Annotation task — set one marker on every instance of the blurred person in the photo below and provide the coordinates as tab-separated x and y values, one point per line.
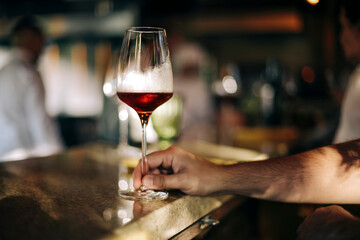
198	111
25	127
349	127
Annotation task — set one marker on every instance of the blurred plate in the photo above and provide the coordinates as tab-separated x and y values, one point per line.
221	154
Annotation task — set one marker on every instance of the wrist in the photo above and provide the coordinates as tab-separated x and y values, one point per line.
226	180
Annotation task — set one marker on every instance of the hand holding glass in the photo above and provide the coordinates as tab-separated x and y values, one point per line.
145	81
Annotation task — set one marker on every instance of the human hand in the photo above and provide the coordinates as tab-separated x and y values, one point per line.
174	168
332	222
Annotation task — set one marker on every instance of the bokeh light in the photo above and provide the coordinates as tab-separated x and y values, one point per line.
313	2
307	74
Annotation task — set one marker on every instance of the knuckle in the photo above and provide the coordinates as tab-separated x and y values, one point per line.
160	181
172	149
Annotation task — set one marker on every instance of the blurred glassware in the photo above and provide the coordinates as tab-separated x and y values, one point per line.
166	120
123	148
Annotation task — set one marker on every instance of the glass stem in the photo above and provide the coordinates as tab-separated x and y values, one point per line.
144	163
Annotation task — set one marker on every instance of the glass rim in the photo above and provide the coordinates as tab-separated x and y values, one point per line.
145	29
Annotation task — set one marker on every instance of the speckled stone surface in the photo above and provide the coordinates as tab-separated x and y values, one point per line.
74	195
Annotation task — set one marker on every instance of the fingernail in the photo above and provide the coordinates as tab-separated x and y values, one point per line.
148	181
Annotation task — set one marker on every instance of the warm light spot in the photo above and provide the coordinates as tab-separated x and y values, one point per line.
258	21
313	2
267	91
108	89
229	84
107	214
122	213
307	74
126	220
123	185
57	26
123	115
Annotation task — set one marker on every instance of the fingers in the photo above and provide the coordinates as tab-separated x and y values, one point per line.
175	168
159	162
137	177
161	158
160	181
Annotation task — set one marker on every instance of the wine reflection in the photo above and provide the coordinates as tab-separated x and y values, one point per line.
124	211
121	214
126	168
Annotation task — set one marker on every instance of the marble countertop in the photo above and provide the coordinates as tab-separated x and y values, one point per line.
74	195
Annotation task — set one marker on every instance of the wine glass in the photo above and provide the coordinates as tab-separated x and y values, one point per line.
144	82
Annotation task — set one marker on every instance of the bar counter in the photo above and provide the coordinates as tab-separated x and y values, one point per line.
74	195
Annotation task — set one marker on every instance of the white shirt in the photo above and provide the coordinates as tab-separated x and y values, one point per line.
349	128
197	108
25	127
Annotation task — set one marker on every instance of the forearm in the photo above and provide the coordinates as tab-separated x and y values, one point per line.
325	175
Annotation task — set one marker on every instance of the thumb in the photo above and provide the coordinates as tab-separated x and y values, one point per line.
160	181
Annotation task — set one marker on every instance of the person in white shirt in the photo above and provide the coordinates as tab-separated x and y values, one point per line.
25	127
349	127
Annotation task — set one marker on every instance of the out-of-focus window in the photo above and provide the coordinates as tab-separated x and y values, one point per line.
72	87
4	54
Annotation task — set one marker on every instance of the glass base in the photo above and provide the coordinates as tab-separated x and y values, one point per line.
143	195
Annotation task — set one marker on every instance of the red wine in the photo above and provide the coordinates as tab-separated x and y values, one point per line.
144	103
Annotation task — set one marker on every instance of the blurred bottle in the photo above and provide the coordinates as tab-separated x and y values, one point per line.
270	93
115	119
227	90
